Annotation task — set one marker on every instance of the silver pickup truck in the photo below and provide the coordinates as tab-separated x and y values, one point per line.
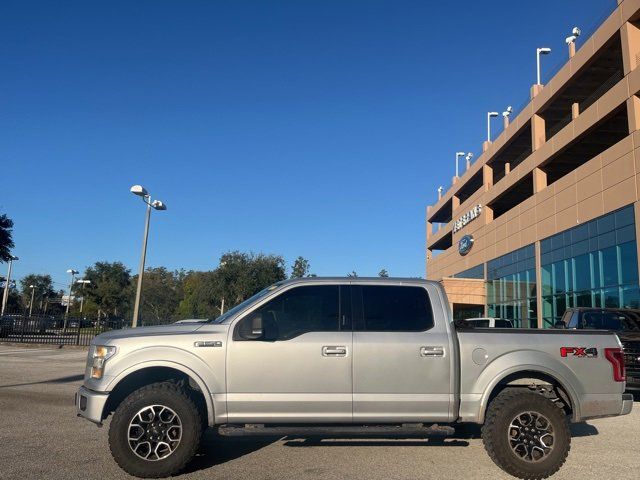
346	356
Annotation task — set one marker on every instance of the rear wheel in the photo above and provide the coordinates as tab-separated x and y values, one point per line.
526	434
155	431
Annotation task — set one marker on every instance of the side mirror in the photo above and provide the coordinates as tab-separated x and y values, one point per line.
252	328
560	324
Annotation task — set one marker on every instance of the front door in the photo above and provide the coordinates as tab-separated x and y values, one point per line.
299	369
401	358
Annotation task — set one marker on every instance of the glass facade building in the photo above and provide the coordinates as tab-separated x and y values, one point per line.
476	272
592	265
511	287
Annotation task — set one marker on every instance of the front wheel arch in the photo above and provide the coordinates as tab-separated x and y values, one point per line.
142	375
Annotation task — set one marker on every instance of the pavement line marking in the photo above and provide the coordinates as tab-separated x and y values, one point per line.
28	350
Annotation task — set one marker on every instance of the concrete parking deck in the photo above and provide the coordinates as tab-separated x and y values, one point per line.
41	437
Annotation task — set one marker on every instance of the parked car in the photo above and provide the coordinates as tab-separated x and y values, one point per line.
348	355
489	322
626	324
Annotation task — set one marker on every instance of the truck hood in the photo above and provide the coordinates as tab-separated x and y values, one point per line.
180	329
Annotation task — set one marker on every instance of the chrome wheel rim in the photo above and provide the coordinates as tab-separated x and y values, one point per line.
531	436
154	432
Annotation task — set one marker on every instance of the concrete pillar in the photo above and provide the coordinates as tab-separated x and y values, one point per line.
455	203
538	284
575	110
487	176
505	121
485	145
507	168
538	132
488	213
535	90
630	38
539	180
572	49
633	113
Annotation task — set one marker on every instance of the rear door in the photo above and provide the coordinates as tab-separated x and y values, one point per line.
401	357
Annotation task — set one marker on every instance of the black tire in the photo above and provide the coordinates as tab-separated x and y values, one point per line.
179	403
511	447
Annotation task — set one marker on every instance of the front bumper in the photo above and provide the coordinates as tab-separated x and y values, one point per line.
90	404
627	403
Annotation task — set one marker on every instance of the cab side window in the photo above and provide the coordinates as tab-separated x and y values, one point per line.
297	311
395	309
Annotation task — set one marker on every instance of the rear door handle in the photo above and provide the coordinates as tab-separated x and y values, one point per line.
334	351
432	351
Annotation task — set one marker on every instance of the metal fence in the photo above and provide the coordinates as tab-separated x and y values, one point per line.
51	329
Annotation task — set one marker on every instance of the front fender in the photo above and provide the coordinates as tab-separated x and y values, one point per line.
196	368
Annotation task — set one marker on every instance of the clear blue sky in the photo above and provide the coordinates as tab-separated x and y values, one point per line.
314	128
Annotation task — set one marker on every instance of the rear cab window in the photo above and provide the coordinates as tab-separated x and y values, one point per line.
381	308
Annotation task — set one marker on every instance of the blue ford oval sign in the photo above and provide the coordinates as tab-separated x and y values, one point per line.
465	244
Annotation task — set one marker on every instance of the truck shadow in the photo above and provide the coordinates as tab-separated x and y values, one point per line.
217	449
69	379
468	431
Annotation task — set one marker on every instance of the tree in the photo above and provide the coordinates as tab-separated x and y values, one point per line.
201	296
110	287
300	268
161	294
6	239
43	288
241	275
383	273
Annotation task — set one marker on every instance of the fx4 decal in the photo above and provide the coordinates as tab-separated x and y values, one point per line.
582	352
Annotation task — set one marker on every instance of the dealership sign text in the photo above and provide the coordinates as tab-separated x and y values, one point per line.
467	217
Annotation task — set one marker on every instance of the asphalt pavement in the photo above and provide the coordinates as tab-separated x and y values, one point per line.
41	437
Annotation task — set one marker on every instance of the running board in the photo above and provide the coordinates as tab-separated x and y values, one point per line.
408	430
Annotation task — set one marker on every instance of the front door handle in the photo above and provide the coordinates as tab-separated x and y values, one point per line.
432	351
334	351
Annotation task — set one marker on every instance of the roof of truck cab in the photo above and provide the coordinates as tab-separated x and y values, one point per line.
346	280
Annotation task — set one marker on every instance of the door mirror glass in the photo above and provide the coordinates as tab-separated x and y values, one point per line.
251	328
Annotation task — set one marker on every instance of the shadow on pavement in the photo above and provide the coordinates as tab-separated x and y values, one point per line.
216	449
374	442
69	379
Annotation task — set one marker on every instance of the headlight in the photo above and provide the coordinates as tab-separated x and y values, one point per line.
98	355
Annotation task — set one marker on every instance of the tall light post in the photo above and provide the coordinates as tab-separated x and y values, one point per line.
5	295
458	155
82	282
490	115
540	51
73	274
468	159
140	191
33	291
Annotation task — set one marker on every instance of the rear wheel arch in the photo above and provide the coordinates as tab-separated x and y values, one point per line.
542	382
143	375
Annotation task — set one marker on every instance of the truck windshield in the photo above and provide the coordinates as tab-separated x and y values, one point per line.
240	306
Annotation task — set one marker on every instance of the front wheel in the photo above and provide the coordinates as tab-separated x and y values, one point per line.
155	431
526	434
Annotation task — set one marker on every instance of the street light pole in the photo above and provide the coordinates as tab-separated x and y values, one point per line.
33	291
156	205
458	155
490	115
66	315
83	282
5	295
540	51
143	257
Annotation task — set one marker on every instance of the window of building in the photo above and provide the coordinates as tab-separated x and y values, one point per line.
476	272
396	309
592	265
511	287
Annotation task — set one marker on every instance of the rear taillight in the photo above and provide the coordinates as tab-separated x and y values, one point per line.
616	358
